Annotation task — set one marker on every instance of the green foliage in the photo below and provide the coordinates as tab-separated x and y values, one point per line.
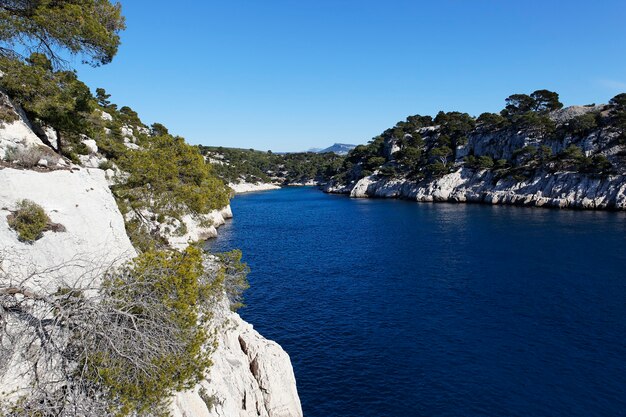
375	161
538	122
103	97
7	114
491	121
540	101
417	157
105	165
387	170
234	277
29	220
129	116
410	156
583	125
257	166
157	129
169	176
598	165
481	162
530	158
456	126
439	161
500	164
87	27
433	153
164	290
618	115
57	99
525	154
518	104
545	152
618	103
545	101
572	152
437	169
531	111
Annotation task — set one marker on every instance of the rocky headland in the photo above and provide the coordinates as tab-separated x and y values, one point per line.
571	157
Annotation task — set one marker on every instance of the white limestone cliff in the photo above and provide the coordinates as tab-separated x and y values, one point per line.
251	375
562	190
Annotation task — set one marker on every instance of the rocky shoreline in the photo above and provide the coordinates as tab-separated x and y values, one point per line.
249	187
559	190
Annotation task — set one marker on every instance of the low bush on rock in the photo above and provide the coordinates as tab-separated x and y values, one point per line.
122	349
30	157
29	220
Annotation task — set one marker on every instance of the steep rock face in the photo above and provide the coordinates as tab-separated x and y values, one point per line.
94	239
80	201
250	377
563	190
16	133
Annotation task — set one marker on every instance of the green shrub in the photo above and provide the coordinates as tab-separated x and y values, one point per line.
583	125
29	220
481	162
81	149
491	121
572	152
7	114
233	275
526	152
105	165
387	171
163	298
170	177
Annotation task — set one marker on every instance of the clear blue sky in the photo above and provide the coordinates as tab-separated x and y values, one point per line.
291	75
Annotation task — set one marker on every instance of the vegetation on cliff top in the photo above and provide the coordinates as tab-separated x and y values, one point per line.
126	346
426	148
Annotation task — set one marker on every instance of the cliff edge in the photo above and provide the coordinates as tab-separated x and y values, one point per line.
250	374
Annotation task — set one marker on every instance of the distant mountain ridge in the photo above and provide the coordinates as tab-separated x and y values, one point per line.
338	148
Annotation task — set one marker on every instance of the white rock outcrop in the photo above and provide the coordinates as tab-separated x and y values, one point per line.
15	135
80	201
198	228
550	185
248	187
92	239
250	377
562	190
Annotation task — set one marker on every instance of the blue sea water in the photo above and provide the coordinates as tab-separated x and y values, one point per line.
394	308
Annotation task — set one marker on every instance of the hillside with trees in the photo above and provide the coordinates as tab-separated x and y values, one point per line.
248	165
532	141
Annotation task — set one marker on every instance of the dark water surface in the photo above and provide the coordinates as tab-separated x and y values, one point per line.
393	308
